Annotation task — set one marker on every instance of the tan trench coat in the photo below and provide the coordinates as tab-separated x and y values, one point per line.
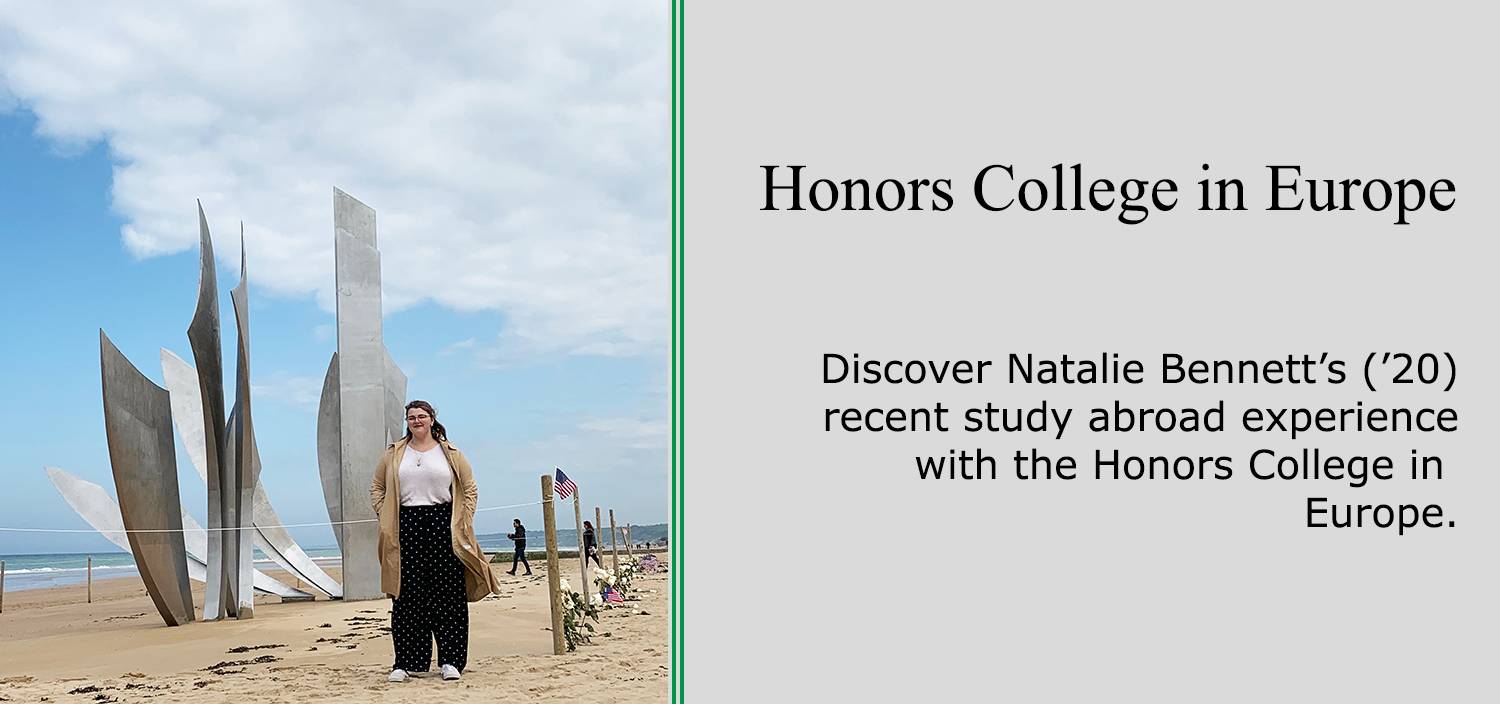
385	496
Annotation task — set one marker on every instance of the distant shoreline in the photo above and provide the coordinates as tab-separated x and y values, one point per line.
19	579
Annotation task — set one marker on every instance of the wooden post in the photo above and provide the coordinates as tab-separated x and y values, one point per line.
614	545
554	573
629	549
586	589
598	528
91	578
2	586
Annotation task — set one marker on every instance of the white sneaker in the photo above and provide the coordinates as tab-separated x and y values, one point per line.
450	672
397	675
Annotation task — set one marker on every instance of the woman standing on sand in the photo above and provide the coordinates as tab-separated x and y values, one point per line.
430	561
591	548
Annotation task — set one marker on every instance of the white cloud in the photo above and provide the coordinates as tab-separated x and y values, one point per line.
288	389
516	153
632	433
459	346
629	447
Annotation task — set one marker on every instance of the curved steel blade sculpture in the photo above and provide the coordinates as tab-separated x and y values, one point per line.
95	506
270	538
203	338
138	427
330	472
245	458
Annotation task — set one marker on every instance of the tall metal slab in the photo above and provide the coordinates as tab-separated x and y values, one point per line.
330	469
246	457
362	395
138	427
203	338
270	538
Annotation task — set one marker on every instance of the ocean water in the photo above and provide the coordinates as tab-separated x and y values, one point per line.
40	571
24	572
50	570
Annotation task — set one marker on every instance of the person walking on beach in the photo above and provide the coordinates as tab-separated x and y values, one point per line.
430	561
590	548
520	537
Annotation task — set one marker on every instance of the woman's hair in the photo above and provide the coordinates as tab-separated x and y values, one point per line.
588	526
438	431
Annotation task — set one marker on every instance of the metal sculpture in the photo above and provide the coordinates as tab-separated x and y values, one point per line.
245	458
330	473
270	538
197	542
362	412
138	428
95	506
395	398
203	338
362	407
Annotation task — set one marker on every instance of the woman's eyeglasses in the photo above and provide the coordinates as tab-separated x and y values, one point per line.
413	419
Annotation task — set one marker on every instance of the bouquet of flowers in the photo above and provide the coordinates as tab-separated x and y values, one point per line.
578	610
615	581
626	574
606	583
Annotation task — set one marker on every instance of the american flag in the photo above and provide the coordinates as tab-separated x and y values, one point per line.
565	486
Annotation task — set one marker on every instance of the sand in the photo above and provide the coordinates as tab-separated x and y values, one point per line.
53	644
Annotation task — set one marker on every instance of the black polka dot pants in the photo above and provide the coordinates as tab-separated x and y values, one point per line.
432	605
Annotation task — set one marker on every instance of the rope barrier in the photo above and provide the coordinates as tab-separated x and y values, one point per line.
281	525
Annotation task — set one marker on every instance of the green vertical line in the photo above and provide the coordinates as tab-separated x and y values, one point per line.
676	541
682	313
681	90
677	362
682	296
680	38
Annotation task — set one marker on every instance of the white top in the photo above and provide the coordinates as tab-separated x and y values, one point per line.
426	478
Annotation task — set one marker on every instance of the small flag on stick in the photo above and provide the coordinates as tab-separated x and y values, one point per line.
565	486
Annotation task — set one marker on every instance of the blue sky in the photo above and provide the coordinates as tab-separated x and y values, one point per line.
533	317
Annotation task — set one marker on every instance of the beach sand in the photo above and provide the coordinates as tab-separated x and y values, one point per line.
53	644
